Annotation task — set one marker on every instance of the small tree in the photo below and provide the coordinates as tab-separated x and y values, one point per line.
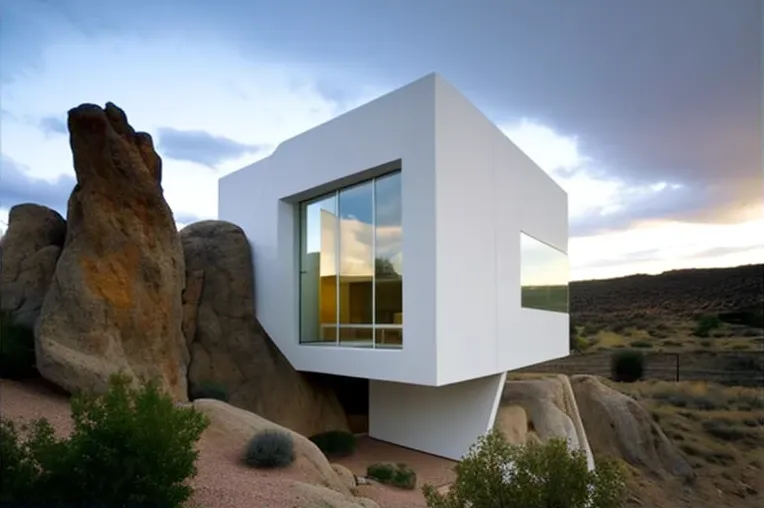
627	366
129	447
495	474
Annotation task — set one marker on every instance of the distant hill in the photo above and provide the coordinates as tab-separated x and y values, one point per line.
677	292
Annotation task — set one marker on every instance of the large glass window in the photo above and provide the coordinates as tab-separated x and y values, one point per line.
543	276
351	266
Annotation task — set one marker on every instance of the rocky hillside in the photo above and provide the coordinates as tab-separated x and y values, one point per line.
678	292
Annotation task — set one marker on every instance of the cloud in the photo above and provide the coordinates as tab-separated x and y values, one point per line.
18	186
598	201
658	246
226	128
675	97
184	219
202	147
646	127
725	251
53	125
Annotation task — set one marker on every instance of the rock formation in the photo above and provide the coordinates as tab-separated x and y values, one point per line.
29	251
618	426
227	345
541	409
239	426
115	300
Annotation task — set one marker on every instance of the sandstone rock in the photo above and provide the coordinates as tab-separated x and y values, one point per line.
29	250
513	422
115	300
227	345
551	411
345	475
311	496
619	427
241	425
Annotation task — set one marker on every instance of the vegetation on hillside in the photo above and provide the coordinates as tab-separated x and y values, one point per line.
720	429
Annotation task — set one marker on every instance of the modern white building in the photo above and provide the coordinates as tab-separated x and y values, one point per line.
411	243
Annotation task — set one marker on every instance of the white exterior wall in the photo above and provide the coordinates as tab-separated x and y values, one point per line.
487	192
261	199
467	193
441	420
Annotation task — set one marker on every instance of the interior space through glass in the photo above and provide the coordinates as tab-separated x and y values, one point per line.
351	266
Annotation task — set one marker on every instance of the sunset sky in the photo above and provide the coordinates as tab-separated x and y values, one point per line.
647	112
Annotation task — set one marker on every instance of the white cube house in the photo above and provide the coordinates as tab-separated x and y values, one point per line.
411	243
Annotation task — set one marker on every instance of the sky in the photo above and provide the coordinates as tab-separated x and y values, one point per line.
647	112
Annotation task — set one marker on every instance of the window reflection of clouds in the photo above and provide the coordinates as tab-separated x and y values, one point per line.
357	232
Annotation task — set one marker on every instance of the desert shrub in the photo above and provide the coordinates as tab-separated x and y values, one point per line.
19	467
703	402
627	366
747	318
399	475
17	357
706	324
712	456
129	447
208	390
495	473
643	344
270	448
335	443
727	430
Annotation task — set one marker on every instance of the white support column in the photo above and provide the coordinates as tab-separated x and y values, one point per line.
444	420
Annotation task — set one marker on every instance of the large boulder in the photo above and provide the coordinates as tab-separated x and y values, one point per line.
238	426
618	426
115	301
29	250
312	496
228	347
549	409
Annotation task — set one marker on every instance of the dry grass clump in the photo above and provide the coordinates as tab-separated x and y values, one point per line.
698	395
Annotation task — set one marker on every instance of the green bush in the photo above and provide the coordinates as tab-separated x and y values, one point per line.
129	447
495	473
399	475
17	357
19	467
208	390
270	448
706	324
627	366
642	344
335	443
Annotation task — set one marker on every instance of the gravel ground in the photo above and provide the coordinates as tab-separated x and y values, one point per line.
432	470
223	481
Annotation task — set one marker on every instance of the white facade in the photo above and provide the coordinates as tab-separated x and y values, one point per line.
467	196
